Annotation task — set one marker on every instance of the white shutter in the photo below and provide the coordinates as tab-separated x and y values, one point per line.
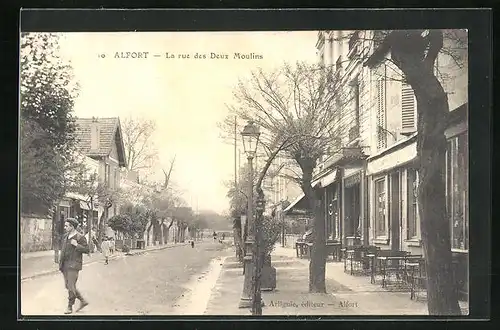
408	106
381	120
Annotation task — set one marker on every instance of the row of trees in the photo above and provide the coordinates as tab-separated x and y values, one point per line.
300	104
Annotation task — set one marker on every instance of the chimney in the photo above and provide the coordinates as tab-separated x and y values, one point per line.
94	134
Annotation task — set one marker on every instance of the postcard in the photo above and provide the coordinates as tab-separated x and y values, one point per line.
210	173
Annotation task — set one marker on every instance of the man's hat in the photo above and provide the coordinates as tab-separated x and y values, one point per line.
73	222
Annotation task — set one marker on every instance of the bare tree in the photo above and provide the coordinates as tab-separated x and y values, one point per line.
295	103
139	148
168	173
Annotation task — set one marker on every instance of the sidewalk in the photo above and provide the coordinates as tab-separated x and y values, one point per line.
41	263
347	295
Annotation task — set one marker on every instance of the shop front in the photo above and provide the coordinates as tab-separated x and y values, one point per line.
390	200
457	196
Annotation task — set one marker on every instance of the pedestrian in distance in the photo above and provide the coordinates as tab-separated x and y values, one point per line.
215	236
223	236
74	245
105	248
112	245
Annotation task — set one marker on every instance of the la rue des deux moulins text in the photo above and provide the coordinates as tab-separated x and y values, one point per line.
201	56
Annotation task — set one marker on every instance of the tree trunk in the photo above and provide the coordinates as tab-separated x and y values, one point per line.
238	244
317	266
162	238
257	259
435	226
147	233
416	59
166	233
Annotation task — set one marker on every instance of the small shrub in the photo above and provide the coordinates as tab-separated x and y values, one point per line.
270	233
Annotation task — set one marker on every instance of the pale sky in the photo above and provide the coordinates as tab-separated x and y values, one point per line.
185	97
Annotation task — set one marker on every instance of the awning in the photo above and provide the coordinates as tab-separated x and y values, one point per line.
295	202
75	196
329	179
84	206
351	171
314	184
392	159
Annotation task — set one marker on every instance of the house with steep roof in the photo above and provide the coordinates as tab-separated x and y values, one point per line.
100	141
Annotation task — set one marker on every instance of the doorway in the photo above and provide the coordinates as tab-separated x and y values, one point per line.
352	211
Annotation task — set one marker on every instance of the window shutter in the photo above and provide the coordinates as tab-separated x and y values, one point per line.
381	133
408	106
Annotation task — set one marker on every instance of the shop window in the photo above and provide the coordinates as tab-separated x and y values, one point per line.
380	208
412	215
457	191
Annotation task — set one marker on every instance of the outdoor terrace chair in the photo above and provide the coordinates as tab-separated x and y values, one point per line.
417	276
411	263
354	255
391	264
301	248
343	251
334	249
361	262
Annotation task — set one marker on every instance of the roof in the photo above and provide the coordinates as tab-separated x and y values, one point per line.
109	132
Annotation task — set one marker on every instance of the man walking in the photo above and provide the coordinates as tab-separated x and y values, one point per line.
74	245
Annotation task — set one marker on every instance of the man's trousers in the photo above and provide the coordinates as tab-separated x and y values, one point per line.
70	278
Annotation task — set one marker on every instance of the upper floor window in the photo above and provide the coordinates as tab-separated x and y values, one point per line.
381	115
354	130
408	108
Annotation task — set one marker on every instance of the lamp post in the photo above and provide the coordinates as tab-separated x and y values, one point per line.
250	136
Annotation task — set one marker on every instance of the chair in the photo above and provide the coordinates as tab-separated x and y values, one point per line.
391	263
412	260
419	283
363	260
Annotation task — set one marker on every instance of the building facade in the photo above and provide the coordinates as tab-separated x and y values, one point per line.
369	178
100	144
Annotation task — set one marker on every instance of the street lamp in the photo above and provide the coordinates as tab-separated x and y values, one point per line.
250	134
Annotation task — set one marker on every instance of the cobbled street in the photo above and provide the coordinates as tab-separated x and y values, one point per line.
146	284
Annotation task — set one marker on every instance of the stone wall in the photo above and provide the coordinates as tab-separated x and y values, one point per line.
36	233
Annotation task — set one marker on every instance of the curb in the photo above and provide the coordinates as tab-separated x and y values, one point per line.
133	253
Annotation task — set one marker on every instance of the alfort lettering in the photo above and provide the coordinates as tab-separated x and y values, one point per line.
131	54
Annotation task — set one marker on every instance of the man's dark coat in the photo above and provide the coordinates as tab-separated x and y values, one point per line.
71	256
